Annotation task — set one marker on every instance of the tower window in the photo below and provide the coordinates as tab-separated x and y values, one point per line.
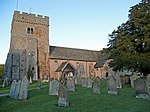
30	30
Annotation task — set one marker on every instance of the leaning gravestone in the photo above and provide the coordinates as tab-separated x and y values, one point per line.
53	87
18	84
70	84
112	87
118	81
84	82
96	85
132	79
12	89
141	88
62	94
89	82
23	94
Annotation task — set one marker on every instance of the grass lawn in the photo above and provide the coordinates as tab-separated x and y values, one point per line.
6	89
82	100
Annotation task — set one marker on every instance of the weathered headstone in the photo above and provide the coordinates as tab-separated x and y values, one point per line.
89	82
15	65
70	84
132	79
118	81
78	80
112	87
23	56
141	88
96	85
38	84
17	91
23	94
12	89
84	82
4	83
53	87
148	80
62	94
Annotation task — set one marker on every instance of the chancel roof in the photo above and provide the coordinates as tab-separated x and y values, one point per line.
73	54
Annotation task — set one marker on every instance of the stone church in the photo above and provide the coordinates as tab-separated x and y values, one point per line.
30	53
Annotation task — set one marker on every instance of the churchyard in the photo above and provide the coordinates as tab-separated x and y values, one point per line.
81	100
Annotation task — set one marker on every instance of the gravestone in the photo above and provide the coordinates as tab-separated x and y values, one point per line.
4	83
70	84
84	82
62	94
112	87
148	80
78	80
38	84
18	85
141	88
132	79
15	66
8	66
23	63
53	87
89	82
118	81
23	94
12	89
96	85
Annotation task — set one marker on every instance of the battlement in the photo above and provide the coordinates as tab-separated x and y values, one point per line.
29	17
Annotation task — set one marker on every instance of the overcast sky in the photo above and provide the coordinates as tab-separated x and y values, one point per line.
81	24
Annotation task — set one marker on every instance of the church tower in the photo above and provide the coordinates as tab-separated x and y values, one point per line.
30	44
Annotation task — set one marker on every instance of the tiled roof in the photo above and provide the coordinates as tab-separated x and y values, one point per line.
64	65
103	57
73	54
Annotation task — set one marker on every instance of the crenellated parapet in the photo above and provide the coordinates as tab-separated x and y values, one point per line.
30	18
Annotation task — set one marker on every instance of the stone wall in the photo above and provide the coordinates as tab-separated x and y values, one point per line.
30	37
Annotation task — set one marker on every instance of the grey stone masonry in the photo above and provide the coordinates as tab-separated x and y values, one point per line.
141	88
23	94
112	86
96	85
70	84
53	87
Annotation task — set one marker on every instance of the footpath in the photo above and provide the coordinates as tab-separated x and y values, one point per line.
37	88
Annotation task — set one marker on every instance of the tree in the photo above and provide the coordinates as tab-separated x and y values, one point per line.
129	45
1	70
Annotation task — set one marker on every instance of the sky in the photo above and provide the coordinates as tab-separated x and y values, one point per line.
83	24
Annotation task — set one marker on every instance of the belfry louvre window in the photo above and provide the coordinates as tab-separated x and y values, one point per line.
29	30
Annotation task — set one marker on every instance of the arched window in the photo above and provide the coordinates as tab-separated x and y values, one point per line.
30	30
